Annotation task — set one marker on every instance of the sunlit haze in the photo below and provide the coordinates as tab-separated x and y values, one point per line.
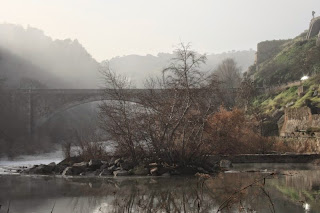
115	28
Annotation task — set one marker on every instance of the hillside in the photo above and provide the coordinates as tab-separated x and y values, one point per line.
66	59
17	71
138	68
288	60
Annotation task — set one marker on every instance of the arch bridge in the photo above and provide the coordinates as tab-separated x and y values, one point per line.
39	105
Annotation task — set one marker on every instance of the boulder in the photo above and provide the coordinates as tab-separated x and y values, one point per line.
167	174
67	171
42	169
112	168
202	170
80	165
70	161
121	173
118	162
154	171
58	169
95	164
153	165
105	172
52	164
78	168
140	170
126	165
104	166
225	164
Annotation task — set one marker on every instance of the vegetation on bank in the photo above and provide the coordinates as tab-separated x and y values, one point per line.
181	120
297	58
289	97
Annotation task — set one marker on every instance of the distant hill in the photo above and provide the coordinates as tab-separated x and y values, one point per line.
67	64
67	59
16	70
138	68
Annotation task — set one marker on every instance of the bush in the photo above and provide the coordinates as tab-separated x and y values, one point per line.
231	132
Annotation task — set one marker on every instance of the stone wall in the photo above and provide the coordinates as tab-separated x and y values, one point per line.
297	121
318	40
314	27
268	49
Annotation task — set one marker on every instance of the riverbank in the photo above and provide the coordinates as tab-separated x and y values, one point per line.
76	166
267	158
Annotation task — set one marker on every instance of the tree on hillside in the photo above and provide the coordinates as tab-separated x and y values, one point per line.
229	73
229	76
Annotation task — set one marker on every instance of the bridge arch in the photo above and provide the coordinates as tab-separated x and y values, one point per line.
46	103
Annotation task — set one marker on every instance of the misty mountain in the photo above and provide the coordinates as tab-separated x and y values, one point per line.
137	68
16	70
67	59
67	64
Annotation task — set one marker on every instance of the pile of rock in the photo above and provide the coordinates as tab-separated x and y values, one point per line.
117	167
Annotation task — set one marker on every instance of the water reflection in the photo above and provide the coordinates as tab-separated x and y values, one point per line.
296	191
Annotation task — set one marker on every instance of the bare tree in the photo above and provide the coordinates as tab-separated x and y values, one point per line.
229	73
168	123
229	76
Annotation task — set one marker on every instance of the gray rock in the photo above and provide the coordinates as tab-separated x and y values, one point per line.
59	169
126	165
140	170
78	168
104	166
202	170
82	164
315	94
105	172
42	169
175	172
67	171
225	164
112	168
167	174
290	104
118	162
95	164
121	173
52	164
154	171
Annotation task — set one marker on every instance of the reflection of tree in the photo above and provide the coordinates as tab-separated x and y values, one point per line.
242	192
300	187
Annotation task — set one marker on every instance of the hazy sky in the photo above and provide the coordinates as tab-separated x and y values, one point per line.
109	28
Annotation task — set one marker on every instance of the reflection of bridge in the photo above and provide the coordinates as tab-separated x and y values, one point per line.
41	104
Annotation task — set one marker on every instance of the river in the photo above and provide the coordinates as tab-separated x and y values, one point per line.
295	189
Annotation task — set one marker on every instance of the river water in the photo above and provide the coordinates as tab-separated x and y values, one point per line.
296	189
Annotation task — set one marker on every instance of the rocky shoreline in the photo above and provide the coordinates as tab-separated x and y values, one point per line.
74	166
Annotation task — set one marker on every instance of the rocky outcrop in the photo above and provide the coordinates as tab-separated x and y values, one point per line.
314	28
